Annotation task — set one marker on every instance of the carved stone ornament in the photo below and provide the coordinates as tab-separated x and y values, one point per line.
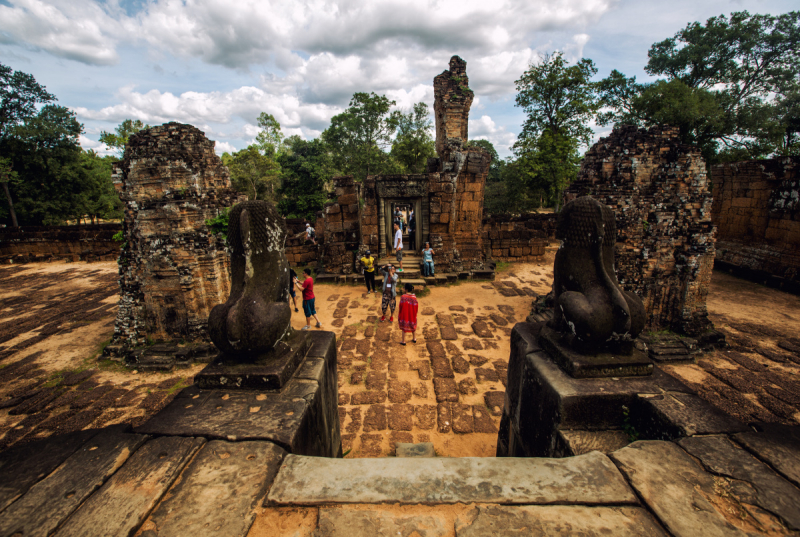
589	302
257	314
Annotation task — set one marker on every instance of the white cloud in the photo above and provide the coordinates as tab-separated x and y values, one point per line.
224	147
486	129
80	31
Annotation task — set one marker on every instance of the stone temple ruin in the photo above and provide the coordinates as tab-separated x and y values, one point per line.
448	199
659	191
173	270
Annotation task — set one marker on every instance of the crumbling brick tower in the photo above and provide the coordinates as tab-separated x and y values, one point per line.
458	177
172	269
659	190
452	101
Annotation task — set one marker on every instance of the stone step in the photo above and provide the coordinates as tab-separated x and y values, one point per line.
585	479
419	283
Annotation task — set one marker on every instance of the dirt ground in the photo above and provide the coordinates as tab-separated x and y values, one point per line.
55	319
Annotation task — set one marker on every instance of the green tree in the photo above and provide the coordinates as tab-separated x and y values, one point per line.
496	167
119	138
270	138
413	144
98	198
254	173
305	169
559	101
359	136
729	86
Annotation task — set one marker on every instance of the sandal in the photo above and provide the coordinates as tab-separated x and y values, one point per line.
402	343
413	341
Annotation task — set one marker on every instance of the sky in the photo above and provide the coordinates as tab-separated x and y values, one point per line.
217	64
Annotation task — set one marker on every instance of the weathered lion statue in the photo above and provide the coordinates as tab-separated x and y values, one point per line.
589	302
257	314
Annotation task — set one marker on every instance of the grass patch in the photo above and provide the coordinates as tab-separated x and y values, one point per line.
54	380
422	293
178	386
502	266
107	364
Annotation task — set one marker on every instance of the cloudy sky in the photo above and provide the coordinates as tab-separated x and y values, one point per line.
218	63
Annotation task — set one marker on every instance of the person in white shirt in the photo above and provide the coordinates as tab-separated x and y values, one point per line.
398	246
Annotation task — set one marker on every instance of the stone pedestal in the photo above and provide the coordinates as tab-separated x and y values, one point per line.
548	413
269	371
301	415
627	362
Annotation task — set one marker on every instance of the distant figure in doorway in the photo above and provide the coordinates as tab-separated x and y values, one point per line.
292	279
412	227
427	260
389	289
407	315
311	235
398	218
308	298
398	245
368	262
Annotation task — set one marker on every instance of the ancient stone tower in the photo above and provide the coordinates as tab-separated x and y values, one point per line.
172	269
659	191
453	99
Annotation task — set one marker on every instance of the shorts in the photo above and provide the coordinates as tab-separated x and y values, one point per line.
399	256
291	292
308	307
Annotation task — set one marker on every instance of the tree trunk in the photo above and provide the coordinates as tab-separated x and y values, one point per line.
10	205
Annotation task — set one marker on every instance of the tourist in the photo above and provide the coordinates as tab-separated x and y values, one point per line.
412	236
398	218
407	315
311	235
389	289
368	262
398	246
427	260
292	279
308	298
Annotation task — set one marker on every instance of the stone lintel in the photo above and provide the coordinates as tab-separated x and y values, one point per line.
268	371
594	365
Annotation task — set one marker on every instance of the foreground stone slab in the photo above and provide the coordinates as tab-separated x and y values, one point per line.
682	495
120	507
778	445
674	415
502	521
48	503
586	479
218	492
379	523
302	417
761	487
23	466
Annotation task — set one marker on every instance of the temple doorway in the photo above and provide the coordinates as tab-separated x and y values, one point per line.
405	212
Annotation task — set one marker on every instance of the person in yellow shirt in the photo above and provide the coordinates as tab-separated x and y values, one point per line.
368	262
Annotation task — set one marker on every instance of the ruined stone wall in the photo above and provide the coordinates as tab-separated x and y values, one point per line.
757	213
456	206
29	244
342	229
659	191
452	101
299	251
172	270
518	238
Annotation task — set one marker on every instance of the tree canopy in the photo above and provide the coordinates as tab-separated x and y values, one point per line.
413	144
119	138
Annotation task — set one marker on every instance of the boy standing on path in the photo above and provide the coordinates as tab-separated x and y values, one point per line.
368	262
398	246
407	316
292	279
308	298
389	289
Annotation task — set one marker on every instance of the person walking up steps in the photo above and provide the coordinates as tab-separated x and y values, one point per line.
311	235
389	289
368	262
412	229
398	246
308	298
407	314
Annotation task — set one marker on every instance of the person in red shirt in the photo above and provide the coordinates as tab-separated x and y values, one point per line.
308	298
407	317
